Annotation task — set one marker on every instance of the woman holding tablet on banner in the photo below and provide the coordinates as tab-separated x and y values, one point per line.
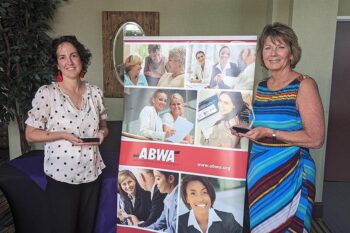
151	124
176	106
63	113
198	195
288	121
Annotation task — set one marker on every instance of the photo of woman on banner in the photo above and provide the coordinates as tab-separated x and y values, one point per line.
225	70
198	195
176	106
174	77
154	64
132	74
167	182
202	70
133	199
228	109
151	124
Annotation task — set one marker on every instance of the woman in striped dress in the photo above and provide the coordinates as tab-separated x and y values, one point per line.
288	120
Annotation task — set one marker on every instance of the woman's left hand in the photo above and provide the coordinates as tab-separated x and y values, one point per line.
101	136
187	140
219	78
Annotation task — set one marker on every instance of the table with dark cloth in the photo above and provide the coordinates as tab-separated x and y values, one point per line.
23	182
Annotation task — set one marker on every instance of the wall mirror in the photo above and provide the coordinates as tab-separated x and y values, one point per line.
127	29
116	25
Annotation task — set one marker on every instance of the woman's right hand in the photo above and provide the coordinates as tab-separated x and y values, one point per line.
234	132
120	215
169	133
38	135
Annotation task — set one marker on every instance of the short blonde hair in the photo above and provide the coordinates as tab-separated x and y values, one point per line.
131	61
179	97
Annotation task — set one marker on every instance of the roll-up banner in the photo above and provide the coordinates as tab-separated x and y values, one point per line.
180	168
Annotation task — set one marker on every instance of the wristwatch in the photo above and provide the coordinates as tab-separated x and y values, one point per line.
274	135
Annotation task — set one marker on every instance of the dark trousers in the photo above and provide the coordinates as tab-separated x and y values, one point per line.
72	207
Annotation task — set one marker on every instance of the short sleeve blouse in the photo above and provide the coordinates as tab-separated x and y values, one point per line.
53	111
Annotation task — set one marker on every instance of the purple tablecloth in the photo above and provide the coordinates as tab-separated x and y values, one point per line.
32	166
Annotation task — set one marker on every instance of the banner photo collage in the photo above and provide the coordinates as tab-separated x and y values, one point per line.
180	167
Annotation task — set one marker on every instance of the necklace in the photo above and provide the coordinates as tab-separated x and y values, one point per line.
74	97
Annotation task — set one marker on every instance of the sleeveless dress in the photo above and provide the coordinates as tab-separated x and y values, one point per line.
281	177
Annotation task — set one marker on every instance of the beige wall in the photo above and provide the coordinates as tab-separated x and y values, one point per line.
344	8
317	35
180	17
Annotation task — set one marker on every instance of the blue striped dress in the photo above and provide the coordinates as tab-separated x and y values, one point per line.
281	177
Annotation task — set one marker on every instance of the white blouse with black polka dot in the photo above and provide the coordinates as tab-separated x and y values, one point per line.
54	111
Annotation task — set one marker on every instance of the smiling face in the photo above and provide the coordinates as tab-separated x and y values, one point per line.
200	58
129	186
159	101
224	55
68	60
136	68
225	104
173	65
276	54
197	197
162	182
176	107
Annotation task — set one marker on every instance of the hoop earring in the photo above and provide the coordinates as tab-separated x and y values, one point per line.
82	74
59	77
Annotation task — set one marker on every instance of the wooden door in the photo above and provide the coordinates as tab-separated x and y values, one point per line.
338	139
111	22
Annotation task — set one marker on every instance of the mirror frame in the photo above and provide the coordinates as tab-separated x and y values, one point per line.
112	21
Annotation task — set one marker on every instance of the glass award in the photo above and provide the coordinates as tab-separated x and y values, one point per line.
246	118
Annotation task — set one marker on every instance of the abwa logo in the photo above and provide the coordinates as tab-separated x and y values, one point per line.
158	154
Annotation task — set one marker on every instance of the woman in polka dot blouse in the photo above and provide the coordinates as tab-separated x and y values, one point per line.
63	113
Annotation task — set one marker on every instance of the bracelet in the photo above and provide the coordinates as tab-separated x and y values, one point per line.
274	137
102	132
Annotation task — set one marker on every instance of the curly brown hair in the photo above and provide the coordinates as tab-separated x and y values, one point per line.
84	53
